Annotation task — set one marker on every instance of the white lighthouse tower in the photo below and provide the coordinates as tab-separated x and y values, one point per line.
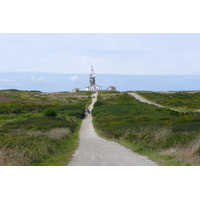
93	86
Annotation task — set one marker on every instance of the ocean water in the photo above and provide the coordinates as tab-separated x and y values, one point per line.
47	82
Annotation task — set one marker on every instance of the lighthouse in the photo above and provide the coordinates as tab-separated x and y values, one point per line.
92	81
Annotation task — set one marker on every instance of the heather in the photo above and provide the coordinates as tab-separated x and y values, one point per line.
183	100
165	135
40	128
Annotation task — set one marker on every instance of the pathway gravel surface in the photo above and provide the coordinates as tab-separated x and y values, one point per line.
96	151
138	97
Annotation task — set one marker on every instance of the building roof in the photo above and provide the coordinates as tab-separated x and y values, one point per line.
93	86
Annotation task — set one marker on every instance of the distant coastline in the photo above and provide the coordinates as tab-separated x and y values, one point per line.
48	82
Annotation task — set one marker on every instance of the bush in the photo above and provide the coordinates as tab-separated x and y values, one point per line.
17	109
186	118
50	113
72	110
99	103
38	123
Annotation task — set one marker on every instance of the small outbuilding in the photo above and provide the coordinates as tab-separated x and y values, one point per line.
112	88
76	90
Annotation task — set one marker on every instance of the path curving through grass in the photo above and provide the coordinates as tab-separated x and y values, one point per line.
96	151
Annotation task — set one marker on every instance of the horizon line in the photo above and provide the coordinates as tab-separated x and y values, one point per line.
102	73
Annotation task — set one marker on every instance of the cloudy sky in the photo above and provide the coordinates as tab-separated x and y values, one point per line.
109	53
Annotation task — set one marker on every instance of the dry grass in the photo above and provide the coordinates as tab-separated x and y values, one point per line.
189	154
157	134
16	156
11	157
160	133
53	133
152	135
63	96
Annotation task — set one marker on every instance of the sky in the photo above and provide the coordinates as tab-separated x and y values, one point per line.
109	53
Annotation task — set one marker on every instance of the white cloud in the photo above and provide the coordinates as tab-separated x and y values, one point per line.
73	79
109	53
38	79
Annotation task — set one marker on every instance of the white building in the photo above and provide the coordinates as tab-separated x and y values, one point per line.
76	90
112	88
93	86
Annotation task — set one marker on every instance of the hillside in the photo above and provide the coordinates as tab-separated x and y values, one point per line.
39	128
186	101
166	136
42	128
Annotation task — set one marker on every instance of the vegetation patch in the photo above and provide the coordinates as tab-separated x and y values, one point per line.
186	101
39	128
150	128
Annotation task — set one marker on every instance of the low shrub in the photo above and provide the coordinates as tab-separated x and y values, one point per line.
124	118
187	118
39	123
99	103
50	113
189	100
72	110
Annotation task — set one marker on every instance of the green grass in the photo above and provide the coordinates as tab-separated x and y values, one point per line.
33	139
27	137
64	155
184	101
152	130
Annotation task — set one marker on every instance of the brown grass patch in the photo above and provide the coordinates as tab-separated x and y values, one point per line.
10	157
189	154
53	133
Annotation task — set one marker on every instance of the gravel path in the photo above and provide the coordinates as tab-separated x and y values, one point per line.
95	151
138	97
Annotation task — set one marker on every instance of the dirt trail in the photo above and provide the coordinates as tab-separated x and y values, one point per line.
138	97
95	151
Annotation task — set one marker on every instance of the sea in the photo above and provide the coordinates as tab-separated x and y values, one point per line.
49	82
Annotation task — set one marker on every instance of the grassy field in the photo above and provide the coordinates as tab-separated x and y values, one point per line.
166	136
40	128
185	101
